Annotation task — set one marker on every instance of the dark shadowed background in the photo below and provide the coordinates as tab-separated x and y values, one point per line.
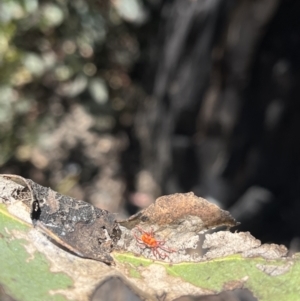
119	102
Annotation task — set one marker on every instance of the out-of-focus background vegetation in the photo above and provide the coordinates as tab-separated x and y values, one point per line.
117	102
66	94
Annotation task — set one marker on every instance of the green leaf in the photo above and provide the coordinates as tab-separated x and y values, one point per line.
257	274
25	276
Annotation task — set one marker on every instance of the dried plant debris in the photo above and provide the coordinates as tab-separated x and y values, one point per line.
164	231
275	270
224	243
185	210
76	225
17	195
170	226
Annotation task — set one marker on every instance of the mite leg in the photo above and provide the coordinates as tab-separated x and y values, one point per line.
141	230
161	245
160	255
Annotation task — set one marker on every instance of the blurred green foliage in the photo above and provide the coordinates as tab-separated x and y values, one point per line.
55	55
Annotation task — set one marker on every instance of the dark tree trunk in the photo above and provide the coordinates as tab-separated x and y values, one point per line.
223	119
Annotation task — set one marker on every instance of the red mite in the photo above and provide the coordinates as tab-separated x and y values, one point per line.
149	241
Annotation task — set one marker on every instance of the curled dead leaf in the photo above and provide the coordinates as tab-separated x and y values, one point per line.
76	225
181	209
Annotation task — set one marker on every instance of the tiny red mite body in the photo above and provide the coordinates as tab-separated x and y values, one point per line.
148	240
